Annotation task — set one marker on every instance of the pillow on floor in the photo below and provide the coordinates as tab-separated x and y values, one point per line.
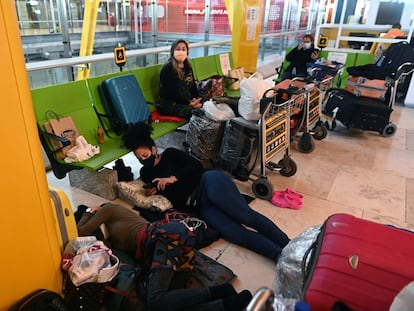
134	192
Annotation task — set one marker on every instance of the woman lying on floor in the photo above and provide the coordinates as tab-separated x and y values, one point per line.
178	176
163	250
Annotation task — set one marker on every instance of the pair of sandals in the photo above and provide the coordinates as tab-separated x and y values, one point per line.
287	199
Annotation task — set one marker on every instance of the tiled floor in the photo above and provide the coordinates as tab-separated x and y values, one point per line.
350	171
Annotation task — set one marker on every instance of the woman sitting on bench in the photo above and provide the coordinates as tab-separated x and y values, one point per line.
177	175
178	90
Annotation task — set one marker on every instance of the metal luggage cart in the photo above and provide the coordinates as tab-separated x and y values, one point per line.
274	138
306	113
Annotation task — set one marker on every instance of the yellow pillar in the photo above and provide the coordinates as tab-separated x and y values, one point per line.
30	253
245	17
88	33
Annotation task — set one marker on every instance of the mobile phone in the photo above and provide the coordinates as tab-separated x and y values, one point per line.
150	185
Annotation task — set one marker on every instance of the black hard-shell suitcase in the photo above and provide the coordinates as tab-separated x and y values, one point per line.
239	147
357	112
123	100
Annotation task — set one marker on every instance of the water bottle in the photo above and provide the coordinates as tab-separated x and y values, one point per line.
100	134
294	71
380	61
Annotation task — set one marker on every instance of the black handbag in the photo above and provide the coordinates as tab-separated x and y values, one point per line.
85	297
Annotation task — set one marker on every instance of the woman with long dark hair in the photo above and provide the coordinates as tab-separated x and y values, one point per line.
180	177
178	89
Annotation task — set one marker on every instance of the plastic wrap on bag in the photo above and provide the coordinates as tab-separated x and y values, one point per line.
204	135
240	139
289	276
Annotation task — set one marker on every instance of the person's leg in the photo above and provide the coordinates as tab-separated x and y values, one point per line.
225	208
159	297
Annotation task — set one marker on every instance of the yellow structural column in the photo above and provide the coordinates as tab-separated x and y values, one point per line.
245	17
30	256
88	33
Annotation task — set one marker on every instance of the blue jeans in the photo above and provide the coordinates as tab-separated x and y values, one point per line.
226	210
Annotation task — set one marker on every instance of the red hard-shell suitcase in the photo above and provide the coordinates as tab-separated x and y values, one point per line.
372	88
360	263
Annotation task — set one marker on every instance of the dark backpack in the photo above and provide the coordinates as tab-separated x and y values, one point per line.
397	54
42	300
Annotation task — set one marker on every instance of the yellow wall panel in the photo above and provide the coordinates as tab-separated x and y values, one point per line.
30	256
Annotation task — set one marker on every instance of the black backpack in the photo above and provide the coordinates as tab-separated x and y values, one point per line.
397	54
42	300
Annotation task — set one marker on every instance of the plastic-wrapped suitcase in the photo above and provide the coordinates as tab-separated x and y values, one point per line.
364	87
358	262
204	136
237	152
123	100
358	112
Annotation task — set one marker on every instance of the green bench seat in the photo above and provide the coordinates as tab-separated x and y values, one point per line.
81	100
73	99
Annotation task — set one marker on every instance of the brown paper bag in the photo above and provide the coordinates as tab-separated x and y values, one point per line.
237	73
63	127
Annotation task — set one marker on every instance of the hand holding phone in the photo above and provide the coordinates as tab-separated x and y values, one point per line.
150	185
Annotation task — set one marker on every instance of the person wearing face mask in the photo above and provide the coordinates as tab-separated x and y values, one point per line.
178	90
299	57
212	194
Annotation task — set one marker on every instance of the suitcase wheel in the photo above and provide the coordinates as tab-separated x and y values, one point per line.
387	84
382	98
389	130
361	80
262	188
357	93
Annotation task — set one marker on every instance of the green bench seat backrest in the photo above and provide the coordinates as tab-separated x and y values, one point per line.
73	99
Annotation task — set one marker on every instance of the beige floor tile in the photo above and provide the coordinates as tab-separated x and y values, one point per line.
380	193
410	140
253	271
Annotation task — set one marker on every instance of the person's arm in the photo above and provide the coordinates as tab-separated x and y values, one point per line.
293	54
187	167
170	85
91	221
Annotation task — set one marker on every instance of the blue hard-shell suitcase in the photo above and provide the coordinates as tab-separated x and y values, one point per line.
123	100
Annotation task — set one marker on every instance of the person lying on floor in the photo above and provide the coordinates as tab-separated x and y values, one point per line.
163	250
178	176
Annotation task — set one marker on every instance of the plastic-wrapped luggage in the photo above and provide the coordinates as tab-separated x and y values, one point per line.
237	153
204	136
358	262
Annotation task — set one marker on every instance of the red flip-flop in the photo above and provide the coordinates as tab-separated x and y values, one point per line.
282	199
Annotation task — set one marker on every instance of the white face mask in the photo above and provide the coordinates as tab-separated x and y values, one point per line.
307	46
180	56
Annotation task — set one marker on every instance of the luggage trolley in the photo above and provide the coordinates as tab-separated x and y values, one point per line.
274	138
305	112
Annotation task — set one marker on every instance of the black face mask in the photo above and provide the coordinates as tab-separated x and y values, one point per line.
148	162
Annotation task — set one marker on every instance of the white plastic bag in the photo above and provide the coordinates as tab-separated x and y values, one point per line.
218	112
251	91
82	151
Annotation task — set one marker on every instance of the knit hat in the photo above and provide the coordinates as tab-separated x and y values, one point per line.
175	43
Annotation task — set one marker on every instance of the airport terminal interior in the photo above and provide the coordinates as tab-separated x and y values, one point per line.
352	171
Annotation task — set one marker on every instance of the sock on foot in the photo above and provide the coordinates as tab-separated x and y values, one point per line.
237	302
222	291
